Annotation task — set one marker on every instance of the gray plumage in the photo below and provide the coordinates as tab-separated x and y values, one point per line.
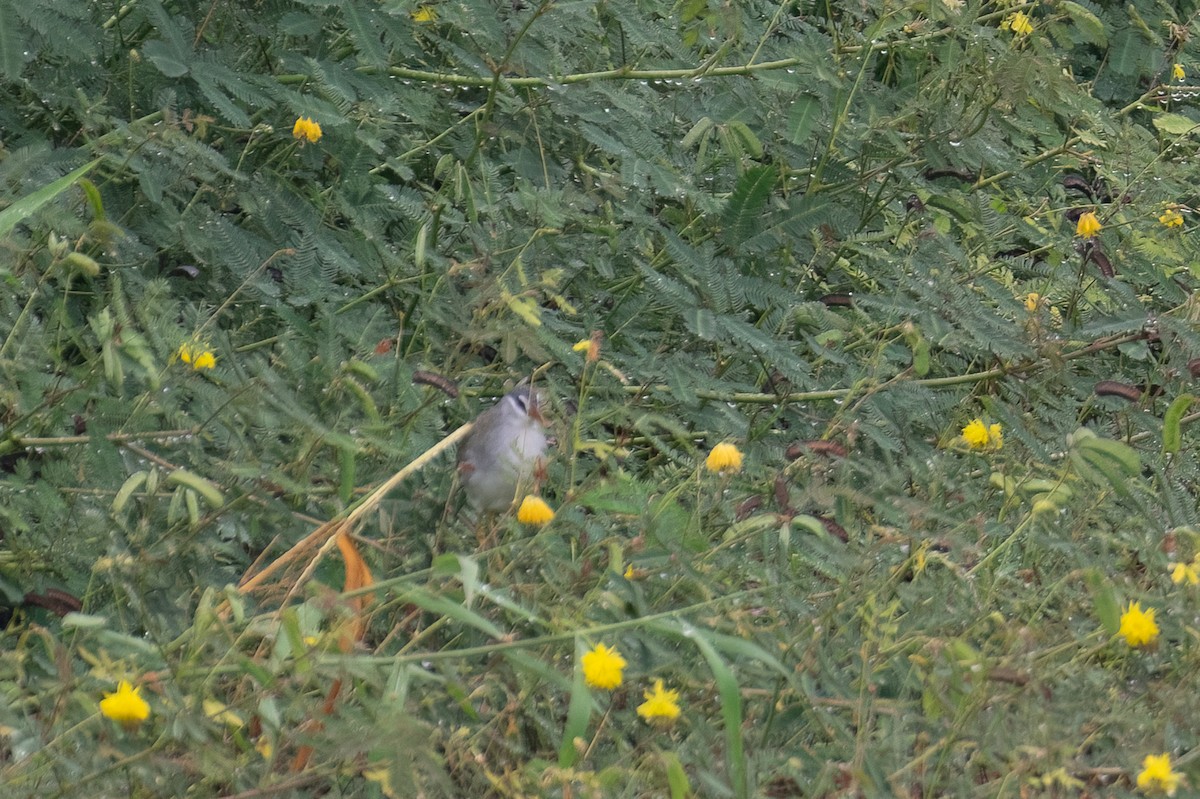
501	453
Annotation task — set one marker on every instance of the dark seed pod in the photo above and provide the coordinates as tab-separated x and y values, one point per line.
748	507
1111	388
58	602
437	381
961	174
1078	184
782	495
1194	367
838	299
835	529
1010	676
1097	256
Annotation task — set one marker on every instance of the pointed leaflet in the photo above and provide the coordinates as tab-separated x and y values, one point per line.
30	203
579	710
743	212
731	712
12	60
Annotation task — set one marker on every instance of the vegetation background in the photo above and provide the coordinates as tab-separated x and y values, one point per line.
831	233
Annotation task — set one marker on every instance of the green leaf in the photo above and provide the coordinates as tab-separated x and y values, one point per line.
1174	124
169	61
1089	24
579	710
1120	455
677	780
365	30
12	61
802	118
452	610
731	711
743	212
1104	461
1104	602
30	203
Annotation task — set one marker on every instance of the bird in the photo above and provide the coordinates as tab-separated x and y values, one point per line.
502	452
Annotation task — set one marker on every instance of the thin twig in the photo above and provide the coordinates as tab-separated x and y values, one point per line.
351	518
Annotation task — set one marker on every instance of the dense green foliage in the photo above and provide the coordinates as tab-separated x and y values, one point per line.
812	229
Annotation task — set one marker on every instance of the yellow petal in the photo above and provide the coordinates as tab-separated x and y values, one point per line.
534	511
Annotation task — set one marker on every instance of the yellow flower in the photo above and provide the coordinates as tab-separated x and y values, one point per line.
1018	23
424	14
1177	72
1138	627
305	128
1171	218
265	747
1184	572
1032	301
1088	225
981	436
590	346
125	706
534	511
660	705
1156	775
629	572
724	458
602	667
198	357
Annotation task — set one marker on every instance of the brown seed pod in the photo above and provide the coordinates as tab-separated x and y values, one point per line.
446	385
1111	388
782	495
835	529
961	174
1010	676
838	299
58	602
746	508
1194	367
1079	184
1096	255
